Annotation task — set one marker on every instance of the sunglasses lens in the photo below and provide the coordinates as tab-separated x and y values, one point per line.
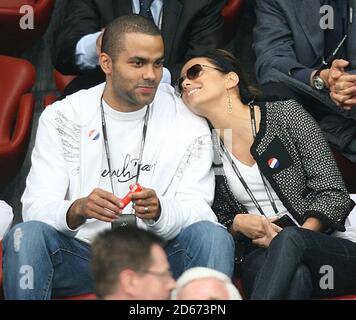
194	71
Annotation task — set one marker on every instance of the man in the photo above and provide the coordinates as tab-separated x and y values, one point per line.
310	47
187	27
204	284
91	147
130	264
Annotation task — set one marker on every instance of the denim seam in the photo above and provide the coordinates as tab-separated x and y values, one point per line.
49	281
68	251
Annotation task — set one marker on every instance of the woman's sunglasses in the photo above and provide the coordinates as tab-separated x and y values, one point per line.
192	73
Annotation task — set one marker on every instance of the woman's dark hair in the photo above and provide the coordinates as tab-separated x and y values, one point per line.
225	61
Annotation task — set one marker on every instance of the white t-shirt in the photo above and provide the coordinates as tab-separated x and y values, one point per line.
253	179
125	133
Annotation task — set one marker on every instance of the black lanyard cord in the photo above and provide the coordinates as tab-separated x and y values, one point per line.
254	132
106	143
221	145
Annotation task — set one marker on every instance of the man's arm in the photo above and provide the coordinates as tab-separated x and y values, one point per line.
81	18
273	40
191	193
46	197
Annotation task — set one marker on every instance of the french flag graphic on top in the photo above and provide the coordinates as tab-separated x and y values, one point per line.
273	163
94	134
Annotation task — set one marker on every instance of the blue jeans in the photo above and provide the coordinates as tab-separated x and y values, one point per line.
41	263
301	264
202	244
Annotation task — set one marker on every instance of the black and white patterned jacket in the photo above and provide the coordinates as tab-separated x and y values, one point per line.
307	180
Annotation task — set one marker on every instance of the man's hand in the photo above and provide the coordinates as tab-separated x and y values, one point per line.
342	85
100	205
146	204
270	231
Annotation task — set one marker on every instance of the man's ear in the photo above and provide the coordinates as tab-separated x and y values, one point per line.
106	63
232	80
128	279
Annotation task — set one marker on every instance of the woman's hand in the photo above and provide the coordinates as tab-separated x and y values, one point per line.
313	224
248	224
270	230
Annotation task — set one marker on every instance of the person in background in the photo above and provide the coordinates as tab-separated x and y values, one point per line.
307	50
187	26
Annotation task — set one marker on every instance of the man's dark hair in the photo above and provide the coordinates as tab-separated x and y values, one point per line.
116	250
114	35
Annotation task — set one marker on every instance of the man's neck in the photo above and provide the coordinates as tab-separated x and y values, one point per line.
111	100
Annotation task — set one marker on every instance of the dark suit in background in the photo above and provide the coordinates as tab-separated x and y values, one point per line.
288	37
187	27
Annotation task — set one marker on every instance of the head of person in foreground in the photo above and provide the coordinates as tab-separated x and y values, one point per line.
202	283
130	264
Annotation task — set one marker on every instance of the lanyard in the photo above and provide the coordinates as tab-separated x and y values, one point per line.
237	171
106	143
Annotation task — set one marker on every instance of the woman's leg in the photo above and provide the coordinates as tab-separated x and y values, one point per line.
331	263
300	286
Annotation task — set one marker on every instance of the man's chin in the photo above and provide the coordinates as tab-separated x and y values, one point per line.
147	100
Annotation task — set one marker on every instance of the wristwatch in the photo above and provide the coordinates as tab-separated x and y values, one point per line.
318	82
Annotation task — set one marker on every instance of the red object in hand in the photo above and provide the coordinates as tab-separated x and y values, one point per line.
134	188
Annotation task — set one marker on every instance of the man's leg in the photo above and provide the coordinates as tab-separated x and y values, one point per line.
330	262
39	262
203	244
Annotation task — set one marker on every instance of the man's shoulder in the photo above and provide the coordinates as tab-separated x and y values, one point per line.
81	104
167	99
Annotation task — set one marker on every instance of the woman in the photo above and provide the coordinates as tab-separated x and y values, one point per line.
271	160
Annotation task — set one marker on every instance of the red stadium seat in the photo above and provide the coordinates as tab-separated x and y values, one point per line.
14	39
231	13
62	80
17	77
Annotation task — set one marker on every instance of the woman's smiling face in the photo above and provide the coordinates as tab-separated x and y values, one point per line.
207	85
